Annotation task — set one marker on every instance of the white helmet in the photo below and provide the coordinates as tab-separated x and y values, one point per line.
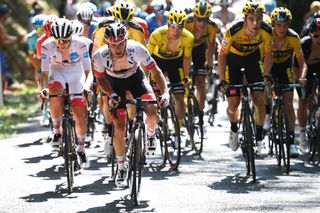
61	29
84	14
158	6
77	27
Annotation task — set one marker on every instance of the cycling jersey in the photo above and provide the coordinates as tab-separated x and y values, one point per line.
51	57
152	23
91	28
32	41
143	23
136	54
291	44
208	33
237	42
158	42
135	32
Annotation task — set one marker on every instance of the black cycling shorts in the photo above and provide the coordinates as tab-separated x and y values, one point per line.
199	59
313	77
253	71
282	73
173	68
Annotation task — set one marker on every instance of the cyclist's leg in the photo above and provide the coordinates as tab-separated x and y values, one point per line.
55	86
198	59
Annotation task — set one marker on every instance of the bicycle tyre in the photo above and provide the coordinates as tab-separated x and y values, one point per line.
284	135
194	127
214	105
313	132
68	152
172	139
248	139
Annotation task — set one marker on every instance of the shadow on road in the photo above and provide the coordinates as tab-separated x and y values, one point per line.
39	158
123	205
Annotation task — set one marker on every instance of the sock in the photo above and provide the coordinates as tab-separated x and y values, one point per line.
120	161
56	125
268	109
234	126
291	140
259	133
81	143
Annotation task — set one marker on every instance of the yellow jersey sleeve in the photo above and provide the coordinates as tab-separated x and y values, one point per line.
98	39
187	40
226	42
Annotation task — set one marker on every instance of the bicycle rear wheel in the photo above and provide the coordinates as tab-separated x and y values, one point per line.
70	156
213	104
194	125
172	139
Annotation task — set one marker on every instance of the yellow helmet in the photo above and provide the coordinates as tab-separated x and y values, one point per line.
177	16
123	11
281	14
253	6
202	9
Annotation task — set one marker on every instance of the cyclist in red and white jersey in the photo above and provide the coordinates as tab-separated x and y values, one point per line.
65	59
117	69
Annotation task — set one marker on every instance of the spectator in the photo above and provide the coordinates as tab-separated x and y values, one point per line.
6	40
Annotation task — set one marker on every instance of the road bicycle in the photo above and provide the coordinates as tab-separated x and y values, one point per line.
69	137
168	133
247	128
279	133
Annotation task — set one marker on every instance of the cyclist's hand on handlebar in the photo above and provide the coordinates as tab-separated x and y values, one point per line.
114	100
222	86
43	95
186	81
302	81
267	79
88	94
164	101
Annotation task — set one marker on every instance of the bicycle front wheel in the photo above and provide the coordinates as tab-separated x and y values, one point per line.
135	162
194	124
171	134
69	154
284	136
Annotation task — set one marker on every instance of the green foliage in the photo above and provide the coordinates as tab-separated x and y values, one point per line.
18	107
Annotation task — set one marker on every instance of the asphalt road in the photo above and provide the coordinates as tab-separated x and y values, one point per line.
33	180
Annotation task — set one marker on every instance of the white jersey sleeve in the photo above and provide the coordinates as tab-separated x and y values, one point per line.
145	58
98	67
45	55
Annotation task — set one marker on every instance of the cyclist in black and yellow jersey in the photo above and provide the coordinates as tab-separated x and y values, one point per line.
171	47
285	42
204	31
240	50
123	12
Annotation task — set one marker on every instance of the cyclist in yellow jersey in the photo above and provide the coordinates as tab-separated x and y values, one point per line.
204	32
285	43
123	12
171	47
240	50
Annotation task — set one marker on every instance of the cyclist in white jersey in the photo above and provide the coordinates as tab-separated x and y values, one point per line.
65	59
117	69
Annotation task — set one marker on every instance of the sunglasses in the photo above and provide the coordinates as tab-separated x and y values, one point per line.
63	41
315	35
205	20
39	30
175	25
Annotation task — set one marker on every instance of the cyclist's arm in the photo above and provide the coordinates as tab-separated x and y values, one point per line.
187	52
222	63
186	65
267	63
159	78
299	57
45	60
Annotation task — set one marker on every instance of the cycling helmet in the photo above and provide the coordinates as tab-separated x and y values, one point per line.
77	27
177	16
225	3
253	6
123	11
158	6
84	14
269	5
202	9
38	20
61	29
315	25
89	5
115	33
47	24
281	14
